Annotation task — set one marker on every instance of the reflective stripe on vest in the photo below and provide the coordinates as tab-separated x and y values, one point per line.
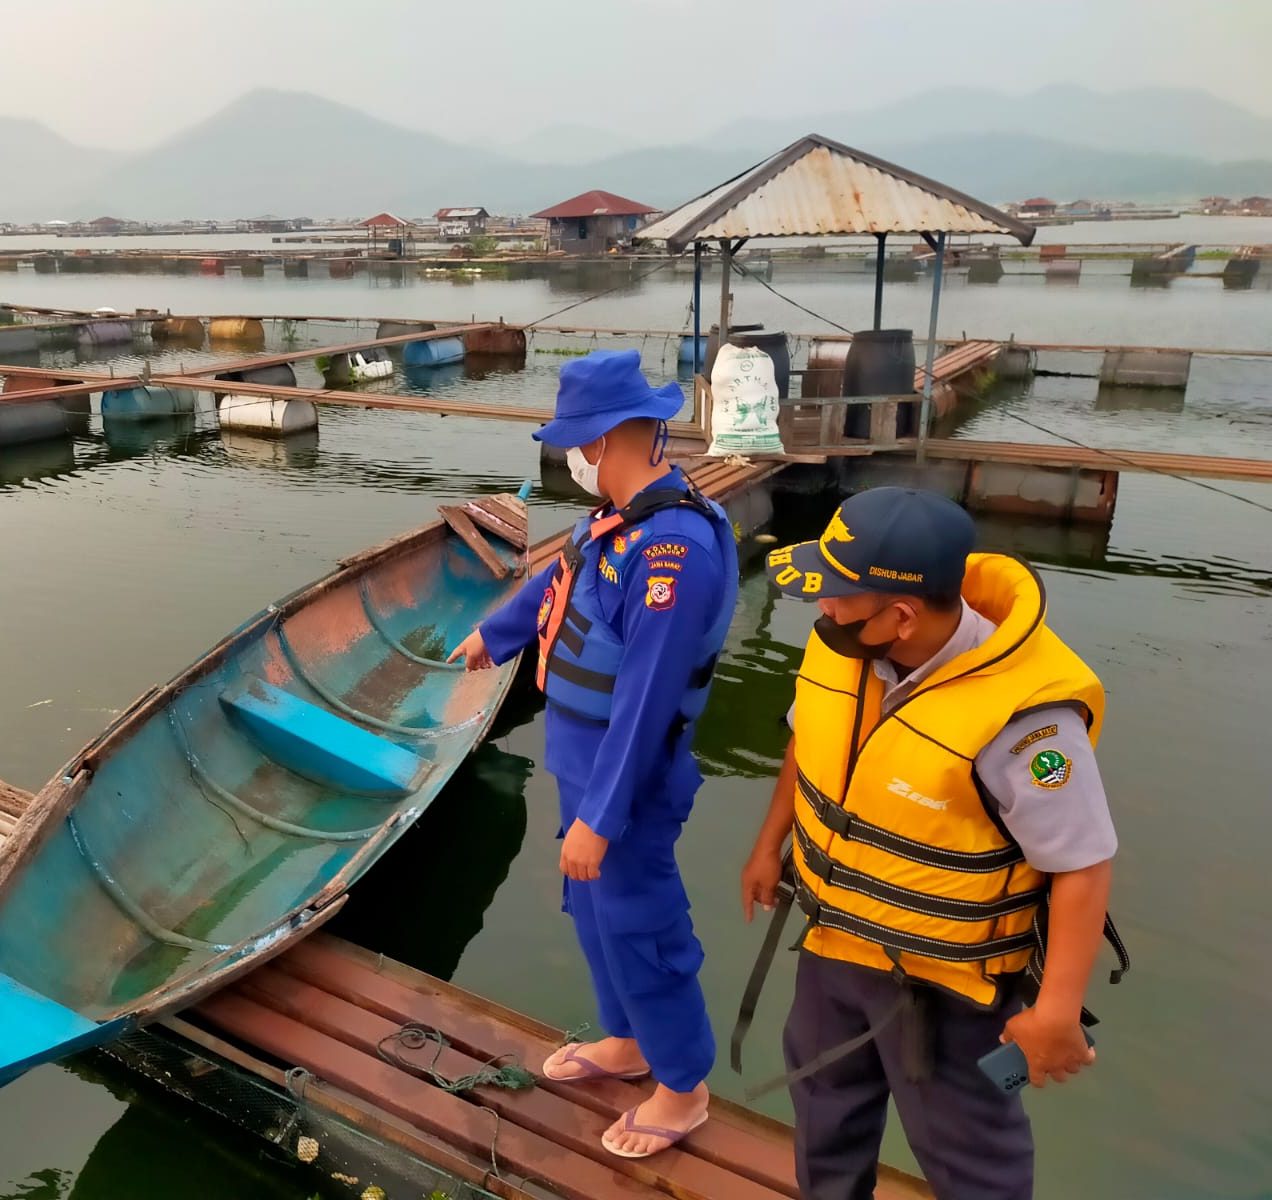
579	653
898	861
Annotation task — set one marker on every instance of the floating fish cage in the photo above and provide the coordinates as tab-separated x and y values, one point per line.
285	1115
144	403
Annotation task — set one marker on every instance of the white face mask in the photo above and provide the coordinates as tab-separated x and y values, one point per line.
584	473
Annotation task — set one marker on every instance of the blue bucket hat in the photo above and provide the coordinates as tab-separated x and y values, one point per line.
602	390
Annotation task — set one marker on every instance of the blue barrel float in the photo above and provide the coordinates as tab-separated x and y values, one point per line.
146	403
435	352
686	350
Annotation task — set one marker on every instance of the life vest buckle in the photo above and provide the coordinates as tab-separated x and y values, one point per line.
808	905
818	862
837	819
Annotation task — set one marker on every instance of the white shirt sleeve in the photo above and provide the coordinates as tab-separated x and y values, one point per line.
1042	774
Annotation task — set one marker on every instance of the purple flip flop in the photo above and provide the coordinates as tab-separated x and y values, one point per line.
588	1070
672	1135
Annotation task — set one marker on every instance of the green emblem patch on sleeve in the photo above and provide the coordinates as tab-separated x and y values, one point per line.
1050	769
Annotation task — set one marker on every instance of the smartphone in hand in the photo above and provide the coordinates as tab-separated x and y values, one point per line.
1007	1069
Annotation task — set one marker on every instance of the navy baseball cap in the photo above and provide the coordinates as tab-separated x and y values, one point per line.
887	539
601	390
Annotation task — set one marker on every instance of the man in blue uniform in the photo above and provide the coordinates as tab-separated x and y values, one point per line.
629	622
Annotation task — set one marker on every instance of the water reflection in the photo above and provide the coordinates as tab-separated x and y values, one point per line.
424	901
161	435
36	460
1139	399
298	452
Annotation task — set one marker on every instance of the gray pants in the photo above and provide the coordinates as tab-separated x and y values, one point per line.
972	1140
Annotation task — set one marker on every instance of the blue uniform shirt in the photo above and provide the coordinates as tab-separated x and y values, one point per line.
660	589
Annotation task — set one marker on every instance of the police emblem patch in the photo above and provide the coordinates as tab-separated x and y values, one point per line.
545	609
635	536
661	594
620	544
1050	769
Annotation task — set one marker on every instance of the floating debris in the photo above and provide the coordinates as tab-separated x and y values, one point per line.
307	1149
765	539
341	1177
374	1192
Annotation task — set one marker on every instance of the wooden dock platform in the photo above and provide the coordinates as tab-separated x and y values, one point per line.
372	1041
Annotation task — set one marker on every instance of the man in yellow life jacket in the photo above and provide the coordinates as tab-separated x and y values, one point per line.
949	828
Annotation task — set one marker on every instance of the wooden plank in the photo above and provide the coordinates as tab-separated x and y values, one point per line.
474	539
14	800
495	520
763	1154
367	1117
420	1104
535	1110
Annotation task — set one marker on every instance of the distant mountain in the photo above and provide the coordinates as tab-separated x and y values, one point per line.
567	144
1175	121
289	153
42	170
296	154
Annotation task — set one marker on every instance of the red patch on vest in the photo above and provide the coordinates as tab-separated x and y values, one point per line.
662	592
545	609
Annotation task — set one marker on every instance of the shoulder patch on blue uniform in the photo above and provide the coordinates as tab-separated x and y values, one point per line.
666	550
661	592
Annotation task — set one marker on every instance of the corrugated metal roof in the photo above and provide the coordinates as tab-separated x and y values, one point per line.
817	187
445	214
384	220
596	204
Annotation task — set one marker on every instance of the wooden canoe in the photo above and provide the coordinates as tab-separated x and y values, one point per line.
224	815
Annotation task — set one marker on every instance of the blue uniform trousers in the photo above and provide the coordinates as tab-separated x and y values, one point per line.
972	1140
634	928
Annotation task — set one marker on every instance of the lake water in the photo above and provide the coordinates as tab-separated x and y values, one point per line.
122	557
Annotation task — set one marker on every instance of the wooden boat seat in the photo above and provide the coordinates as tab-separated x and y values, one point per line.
318	744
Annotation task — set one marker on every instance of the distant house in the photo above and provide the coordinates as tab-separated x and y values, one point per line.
461	222
1256	205
1078	208
398	234
1038	206
592	222
1215	204
107	225
270	224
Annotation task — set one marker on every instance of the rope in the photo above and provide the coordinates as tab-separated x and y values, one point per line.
575	1035
415	1036
741	270
607	292
1130	462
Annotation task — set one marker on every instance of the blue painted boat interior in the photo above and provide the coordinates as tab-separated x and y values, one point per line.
298	749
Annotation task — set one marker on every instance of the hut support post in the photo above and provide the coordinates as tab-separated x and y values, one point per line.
697	306
726	271
925	409
882	239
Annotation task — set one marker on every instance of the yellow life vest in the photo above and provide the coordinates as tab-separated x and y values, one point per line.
901	865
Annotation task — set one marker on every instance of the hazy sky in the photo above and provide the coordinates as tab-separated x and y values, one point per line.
128	73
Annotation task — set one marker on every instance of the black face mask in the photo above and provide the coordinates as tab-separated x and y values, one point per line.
846	639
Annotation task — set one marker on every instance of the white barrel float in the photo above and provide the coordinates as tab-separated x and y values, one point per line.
19	339
436	352
35	421
265	416
146	403
388	329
